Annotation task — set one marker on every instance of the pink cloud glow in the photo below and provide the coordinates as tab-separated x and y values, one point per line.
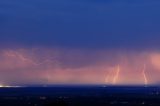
59	66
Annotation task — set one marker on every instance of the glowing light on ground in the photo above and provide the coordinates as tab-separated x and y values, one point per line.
1	86
7	86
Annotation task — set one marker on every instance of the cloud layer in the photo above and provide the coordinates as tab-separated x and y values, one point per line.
61	66
81	24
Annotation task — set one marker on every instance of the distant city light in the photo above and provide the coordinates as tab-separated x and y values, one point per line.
7	86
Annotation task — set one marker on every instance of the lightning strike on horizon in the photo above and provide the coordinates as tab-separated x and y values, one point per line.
144	75
48	62
115	78
23	58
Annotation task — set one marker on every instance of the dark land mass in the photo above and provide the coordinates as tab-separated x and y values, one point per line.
81	96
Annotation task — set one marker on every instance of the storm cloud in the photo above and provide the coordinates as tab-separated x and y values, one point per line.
81	23
79	41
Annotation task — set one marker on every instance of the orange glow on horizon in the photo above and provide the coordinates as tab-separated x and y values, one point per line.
53	66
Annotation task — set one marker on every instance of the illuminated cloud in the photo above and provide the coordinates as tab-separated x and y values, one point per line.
61	66
155	60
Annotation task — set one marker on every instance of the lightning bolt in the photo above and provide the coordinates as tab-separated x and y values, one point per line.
23	58
115	78
48	62
144	75
19	56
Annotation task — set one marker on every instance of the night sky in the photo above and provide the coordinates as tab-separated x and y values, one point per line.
79	42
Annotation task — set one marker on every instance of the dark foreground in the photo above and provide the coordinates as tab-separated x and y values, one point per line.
80	96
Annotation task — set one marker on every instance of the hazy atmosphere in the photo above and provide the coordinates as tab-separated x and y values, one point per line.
79	42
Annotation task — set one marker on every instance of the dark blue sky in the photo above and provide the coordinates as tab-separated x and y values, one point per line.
91	24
